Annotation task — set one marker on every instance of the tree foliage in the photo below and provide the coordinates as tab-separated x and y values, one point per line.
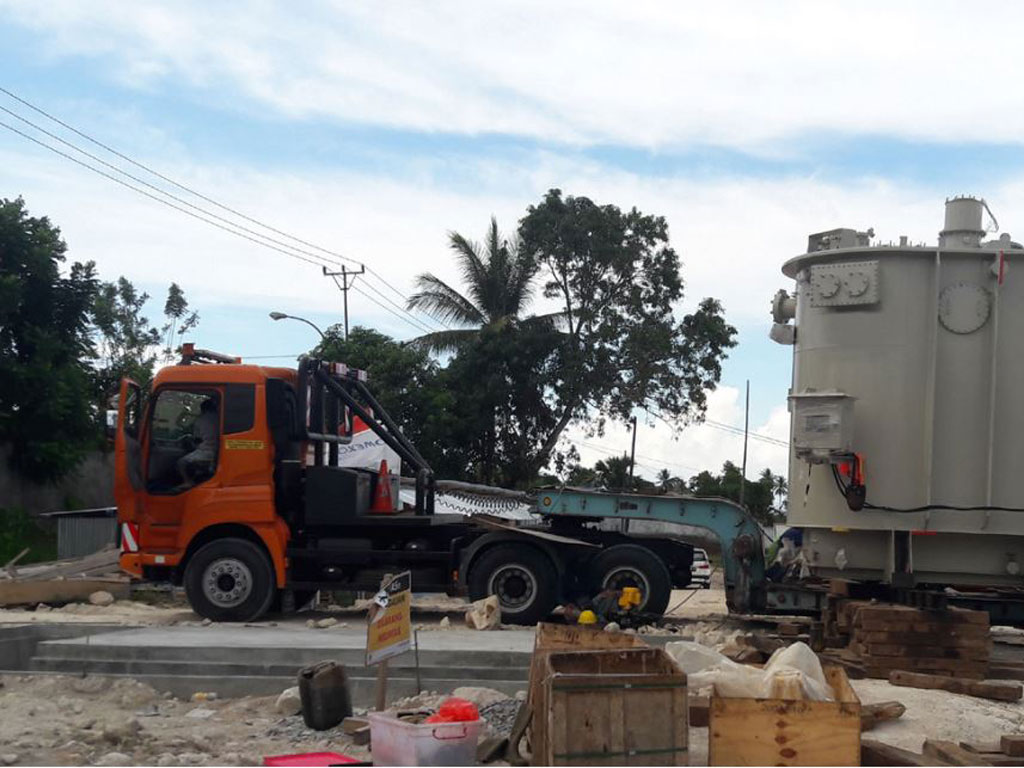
497	275
613	344
65	342
762	497
617	281
46	412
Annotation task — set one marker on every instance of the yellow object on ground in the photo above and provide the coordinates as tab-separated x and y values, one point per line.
630	596
587	617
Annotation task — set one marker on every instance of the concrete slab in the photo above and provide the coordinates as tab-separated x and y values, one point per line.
333	638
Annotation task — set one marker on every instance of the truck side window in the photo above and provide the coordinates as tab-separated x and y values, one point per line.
184	439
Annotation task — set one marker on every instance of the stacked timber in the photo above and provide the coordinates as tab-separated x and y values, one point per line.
62	581
952	642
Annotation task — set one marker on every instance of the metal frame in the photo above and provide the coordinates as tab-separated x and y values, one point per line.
323	389
738	533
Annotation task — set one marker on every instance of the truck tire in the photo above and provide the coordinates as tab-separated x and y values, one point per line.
523	578
230	580
630	565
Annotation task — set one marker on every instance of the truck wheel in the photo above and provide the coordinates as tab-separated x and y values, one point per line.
630	565
230	580
523	578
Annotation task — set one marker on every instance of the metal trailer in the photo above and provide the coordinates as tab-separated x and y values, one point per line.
906	423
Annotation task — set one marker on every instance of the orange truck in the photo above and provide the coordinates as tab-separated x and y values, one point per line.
227	482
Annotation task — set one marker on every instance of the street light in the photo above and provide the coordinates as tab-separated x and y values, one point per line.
283	316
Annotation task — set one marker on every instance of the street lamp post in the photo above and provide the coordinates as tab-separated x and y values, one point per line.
283	316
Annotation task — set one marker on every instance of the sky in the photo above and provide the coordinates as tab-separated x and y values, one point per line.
370	130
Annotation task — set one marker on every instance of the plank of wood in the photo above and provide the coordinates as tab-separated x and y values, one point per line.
950	753
988	689
873	714
1012	744
12	572
954	638
58	591
924	652
874	752
1003	671
106	560
981	747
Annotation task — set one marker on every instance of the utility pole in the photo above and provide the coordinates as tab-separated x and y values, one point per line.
632	455
746	434
344	285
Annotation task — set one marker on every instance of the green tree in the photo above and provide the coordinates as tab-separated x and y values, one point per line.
758	496
46	414
178	320
411	386
500	371
613	472
617	281
128	344
497	275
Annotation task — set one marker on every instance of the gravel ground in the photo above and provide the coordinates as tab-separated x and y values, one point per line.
58	720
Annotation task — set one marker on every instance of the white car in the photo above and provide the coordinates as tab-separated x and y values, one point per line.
700	569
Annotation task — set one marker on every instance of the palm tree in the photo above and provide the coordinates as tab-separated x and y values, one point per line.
497	275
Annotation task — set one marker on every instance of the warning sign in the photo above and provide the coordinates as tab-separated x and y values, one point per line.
389	631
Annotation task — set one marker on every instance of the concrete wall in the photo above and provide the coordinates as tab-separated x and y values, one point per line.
91	485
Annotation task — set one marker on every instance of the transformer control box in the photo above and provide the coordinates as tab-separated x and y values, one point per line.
822	426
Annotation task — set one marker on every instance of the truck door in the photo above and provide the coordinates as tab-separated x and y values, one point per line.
181	457
128	483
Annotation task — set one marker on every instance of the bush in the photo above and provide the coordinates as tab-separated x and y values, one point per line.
18	530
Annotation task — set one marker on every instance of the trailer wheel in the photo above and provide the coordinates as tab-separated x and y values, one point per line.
230	580
630	565
523	578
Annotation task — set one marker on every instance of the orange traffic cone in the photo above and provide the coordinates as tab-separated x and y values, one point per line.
382	501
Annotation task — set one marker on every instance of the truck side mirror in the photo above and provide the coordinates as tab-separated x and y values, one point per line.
110	425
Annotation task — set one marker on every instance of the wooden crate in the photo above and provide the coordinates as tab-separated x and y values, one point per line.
783	732
554	638
621	707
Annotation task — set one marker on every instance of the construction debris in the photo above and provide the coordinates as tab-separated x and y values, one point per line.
873	714
484	614
989	689
64	581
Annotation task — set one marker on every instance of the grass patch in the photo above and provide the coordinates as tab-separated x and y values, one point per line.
18	530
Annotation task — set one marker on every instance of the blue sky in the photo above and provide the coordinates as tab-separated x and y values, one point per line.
373	130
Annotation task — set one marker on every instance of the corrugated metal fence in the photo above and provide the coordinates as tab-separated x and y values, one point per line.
82	532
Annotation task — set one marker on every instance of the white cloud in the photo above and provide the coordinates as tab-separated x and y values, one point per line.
738	74
733	233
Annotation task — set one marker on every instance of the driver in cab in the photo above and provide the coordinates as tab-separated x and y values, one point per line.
205	430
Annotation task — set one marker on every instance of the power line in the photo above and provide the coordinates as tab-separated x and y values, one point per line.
739	431
230	227
194	192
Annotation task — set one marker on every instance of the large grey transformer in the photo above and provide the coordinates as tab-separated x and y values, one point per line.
907	403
